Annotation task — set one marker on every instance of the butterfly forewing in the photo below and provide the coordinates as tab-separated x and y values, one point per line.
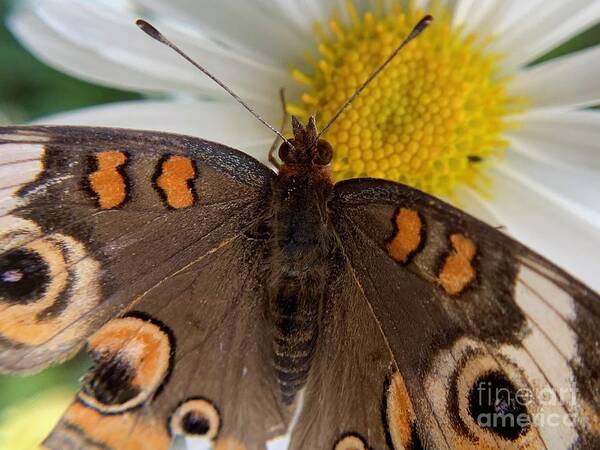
155	232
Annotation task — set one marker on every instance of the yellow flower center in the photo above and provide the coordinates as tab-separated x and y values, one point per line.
431	119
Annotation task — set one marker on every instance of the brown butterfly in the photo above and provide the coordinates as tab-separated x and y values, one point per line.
224	302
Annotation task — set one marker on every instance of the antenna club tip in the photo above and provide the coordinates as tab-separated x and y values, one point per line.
424	22
148	29
142	23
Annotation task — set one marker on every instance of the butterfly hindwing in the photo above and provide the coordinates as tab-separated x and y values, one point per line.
341	402
155	232
480	328
215	384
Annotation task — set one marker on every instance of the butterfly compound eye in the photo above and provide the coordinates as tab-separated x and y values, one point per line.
287	153
196	417
324	153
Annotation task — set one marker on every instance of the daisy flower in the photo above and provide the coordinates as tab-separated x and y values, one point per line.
459	113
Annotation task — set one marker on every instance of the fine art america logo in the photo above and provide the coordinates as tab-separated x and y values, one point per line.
496	404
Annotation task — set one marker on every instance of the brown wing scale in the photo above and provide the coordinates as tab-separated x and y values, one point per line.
478	325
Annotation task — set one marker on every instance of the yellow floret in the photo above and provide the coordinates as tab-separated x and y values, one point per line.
431	119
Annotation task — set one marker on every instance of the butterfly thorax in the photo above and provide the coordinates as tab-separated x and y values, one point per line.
301	242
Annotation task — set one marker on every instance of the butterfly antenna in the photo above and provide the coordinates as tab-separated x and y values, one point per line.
157	35
417	30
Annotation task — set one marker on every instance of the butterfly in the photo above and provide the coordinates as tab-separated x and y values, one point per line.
227	303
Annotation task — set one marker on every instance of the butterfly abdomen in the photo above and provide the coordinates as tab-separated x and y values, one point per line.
298	273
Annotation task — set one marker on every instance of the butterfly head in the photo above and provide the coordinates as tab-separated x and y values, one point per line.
306	148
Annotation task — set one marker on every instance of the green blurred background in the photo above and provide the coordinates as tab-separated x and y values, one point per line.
28	90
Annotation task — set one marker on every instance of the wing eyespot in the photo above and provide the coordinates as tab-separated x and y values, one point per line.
24	276
197	417
495	404
486	397
47	282
132	359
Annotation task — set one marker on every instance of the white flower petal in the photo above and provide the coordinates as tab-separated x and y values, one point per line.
260	151
567	138
306	13
542	28
245	26
51	48
117	39
461	12
179	443
195	444
199	444
473	203
538	222
575	190
420	4
473	14
296	14
513	12
568	81
226	123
